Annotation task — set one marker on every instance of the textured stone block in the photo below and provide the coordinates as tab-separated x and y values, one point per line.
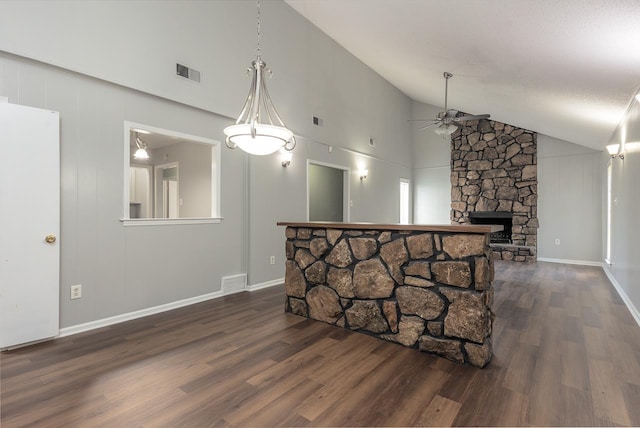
304	258
467	317
390	310
372	281
289	249
340	256
435	328
395	255
482	274
420	246
291	232
478	355
316	273
417	282
363	248
457	274
323	304
341	280
294	282
318	247
418	269
333	235
304	233
366	315
419	301
384	237
449	349
409	330
460	246
298	307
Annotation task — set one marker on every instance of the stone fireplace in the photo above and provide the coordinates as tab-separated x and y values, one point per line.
494	180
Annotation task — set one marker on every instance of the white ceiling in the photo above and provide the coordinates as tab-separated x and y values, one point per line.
564	68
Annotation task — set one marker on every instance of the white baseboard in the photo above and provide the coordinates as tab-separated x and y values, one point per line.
623	295
267	284
74	329
570	262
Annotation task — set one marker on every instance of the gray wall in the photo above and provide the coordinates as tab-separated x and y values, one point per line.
625	234
569	201
123	269
432	169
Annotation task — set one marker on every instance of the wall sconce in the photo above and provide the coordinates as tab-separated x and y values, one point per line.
363	173
141	153
286	156
613	151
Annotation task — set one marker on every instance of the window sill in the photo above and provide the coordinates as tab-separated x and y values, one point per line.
168	221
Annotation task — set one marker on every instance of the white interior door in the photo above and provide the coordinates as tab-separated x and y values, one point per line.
29	217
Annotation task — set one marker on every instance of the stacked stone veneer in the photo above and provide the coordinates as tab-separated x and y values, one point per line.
430	291
494	168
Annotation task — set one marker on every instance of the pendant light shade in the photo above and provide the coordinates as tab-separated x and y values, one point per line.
259	130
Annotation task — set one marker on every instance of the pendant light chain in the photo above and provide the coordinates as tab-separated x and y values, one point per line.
258	31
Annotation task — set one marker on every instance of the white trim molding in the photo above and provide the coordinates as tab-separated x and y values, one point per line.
634	311
74	329
570	262
168	221
266	284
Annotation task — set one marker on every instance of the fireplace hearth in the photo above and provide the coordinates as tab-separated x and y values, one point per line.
501	218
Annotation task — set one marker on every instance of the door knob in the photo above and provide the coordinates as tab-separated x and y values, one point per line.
50	239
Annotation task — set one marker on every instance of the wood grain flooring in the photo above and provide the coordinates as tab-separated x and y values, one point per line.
567	353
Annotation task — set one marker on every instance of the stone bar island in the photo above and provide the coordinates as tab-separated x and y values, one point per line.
424	287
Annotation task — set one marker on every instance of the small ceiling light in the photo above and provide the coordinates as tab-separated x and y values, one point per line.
613	151
259	130
445	129
638	97
286	157
141	153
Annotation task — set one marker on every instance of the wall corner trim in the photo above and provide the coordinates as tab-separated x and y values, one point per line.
266	284
634	311
570	262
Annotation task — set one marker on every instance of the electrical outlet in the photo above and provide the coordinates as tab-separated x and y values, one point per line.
557	241
76	291
272	260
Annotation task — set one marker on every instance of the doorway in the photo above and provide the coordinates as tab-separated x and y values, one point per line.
328	192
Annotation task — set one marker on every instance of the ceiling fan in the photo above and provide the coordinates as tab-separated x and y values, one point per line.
446	121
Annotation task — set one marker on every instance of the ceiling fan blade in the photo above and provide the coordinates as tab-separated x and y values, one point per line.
424	120
451	113
472	117
431	125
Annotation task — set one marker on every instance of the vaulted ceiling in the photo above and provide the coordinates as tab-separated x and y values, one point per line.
564	68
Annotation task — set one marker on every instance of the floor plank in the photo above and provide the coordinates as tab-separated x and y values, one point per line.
566	353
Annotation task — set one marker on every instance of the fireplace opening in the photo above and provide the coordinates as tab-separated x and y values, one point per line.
502	218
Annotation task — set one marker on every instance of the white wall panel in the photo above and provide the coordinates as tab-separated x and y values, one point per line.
569	201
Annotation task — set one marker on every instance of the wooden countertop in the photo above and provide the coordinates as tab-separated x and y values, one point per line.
475	228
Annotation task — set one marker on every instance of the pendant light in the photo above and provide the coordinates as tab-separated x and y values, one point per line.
259	130
141	153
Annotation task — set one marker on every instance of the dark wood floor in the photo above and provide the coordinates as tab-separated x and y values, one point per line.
567	352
